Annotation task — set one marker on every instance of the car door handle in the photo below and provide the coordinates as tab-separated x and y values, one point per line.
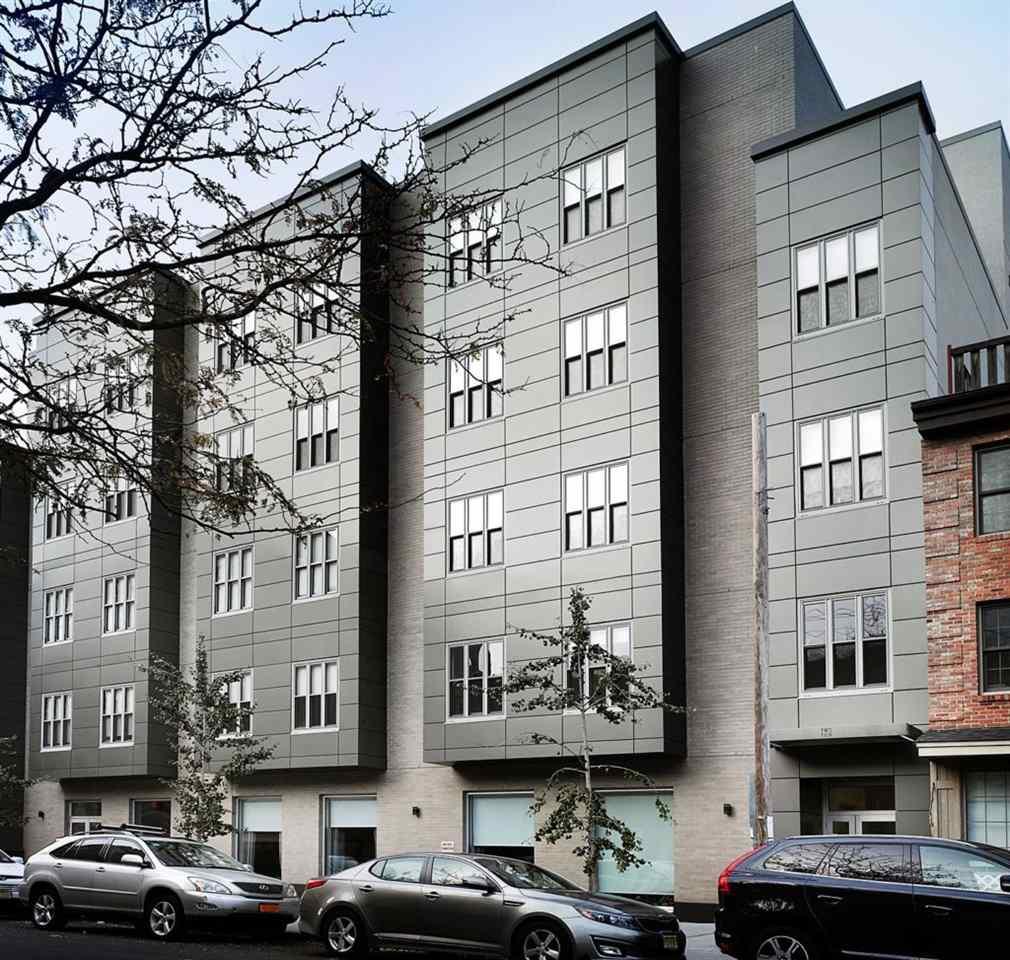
366	888
939	911
99	869
828	899
433	895
59	866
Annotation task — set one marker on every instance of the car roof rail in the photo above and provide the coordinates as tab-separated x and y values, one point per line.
139	829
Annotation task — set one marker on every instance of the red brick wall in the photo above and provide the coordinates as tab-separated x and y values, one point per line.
961	570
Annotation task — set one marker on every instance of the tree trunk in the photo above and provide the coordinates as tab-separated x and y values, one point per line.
590	820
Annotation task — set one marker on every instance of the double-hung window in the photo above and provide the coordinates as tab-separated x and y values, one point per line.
58	519
235	348
994	646
316	564
117	716
233	580
316	316
475	386
123	382
234	456
475	243
476	531
596	349
317	433
593	197
239	693
118	600
57	721
62	403
315	699
838	279
992	489
842	459
844	642
475	677
596	507
120	500
586	673
58	620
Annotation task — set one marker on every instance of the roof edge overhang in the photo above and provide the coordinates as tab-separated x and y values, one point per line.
801	737
972	410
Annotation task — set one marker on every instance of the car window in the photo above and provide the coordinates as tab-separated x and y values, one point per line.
88	850
525	875
119	848
962	869
797	858
404	869
449	872
376	868
187	853
870	861
63	852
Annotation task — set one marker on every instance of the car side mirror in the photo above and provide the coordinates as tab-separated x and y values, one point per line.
1004	883
248	867
132	860
480	883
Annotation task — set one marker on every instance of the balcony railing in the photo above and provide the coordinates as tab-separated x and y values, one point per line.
978	365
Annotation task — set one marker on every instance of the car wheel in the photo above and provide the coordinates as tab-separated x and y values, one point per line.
542	940
164	917
343	934
785	945
47	909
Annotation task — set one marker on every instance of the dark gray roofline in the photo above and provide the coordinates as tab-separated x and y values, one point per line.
651	21
912	93
357	168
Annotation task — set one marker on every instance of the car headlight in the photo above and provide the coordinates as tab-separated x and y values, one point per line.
203	885
290	891
602	916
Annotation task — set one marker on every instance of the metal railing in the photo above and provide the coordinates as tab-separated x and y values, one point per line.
978	365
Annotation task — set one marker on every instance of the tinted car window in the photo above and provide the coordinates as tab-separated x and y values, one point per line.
962	869
88	850
119	848
404	869
525	875
869	861
64	852
376	868
797	858
448	872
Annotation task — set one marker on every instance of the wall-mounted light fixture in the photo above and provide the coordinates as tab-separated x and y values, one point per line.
727	808
416	811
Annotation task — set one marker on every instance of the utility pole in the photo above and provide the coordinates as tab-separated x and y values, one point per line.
759	483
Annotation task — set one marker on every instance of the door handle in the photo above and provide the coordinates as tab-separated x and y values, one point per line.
939	911
99	869
828	899
433	895
59	866
366	888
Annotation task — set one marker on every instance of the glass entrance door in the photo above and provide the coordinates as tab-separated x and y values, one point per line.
866	823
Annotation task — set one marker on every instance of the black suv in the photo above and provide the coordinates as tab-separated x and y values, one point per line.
813	898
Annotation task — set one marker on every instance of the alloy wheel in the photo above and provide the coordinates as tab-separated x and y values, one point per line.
44	909
162	918
782	946
342	934
541	945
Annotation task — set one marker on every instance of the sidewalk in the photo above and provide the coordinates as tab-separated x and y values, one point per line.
700	941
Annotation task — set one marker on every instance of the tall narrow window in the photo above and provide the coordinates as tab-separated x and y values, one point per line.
994	646
117	716
315	697
867	272
811	466
233	581
844	642
316	564
474	242
235	347
57	721
118	600
234	449
593	195
815	671
808	291
316	315
596	349
476	531
615	188
594	219
120	500
58	519
239	694
572	202
475	678
476	386
992	489
58	620
317	433
124	382
596	507
840	451
838	279
841	459
871	454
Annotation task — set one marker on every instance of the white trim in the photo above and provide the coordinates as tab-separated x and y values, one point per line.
328	728
466	717
965	748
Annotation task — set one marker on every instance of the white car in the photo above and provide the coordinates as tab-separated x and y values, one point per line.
12	869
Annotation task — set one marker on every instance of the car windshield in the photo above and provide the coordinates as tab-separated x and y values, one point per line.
4	858
525	875
183	853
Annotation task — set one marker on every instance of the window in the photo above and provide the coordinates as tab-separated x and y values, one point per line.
987	806
62	401
349	825
870	861
57	720
994	653
475	243
596	507
316	316
118	603
317	433
315	699
476	531
992	468
403	869
258	835
90	850
962	869
58	519
639	810
842	459
845	642
240	696
615	640
117	716
233	580
123	381
500	825
152	813
234	349
58	619
119	848
838	279
83	816
450	872
476	672
316	564
475	386
234	449
120	500
596	350
797	858
593	196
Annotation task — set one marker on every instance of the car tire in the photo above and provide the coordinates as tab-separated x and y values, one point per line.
541	940
343	934
163	917
46	909
775	943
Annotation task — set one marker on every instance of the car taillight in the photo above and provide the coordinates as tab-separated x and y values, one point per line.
725	875
317	882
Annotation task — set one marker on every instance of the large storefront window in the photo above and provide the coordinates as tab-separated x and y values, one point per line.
987	798
500	824
152	813
638	810
348	832
259	835
83	816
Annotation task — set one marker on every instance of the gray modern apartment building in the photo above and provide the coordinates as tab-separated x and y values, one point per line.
725	237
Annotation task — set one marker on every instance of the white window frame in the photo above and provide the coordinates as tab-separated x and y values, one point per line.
121	495
325	414
490	502
575	337
569	508
483	373
235	448
117	703
58	616
64	700
311	304
478	229
233	353
309	667
226	582
858	447
574	180
329	540
470	796
84	820
240	694
62	520
608	645
859	689
466	716
126	601
123	383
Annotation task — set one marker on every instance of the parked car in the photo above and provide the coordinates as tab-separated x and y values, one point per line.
480	904
11	871
161	883
813	898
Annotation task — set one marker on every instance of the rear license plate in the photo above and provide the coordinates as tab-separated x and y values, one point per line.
270	908
670	941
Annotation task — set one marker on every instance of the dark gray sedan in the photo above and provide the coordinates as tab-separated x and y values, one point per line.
482	904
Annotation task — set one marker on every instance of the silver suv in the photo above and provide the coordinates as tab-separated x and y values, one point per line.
160	883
